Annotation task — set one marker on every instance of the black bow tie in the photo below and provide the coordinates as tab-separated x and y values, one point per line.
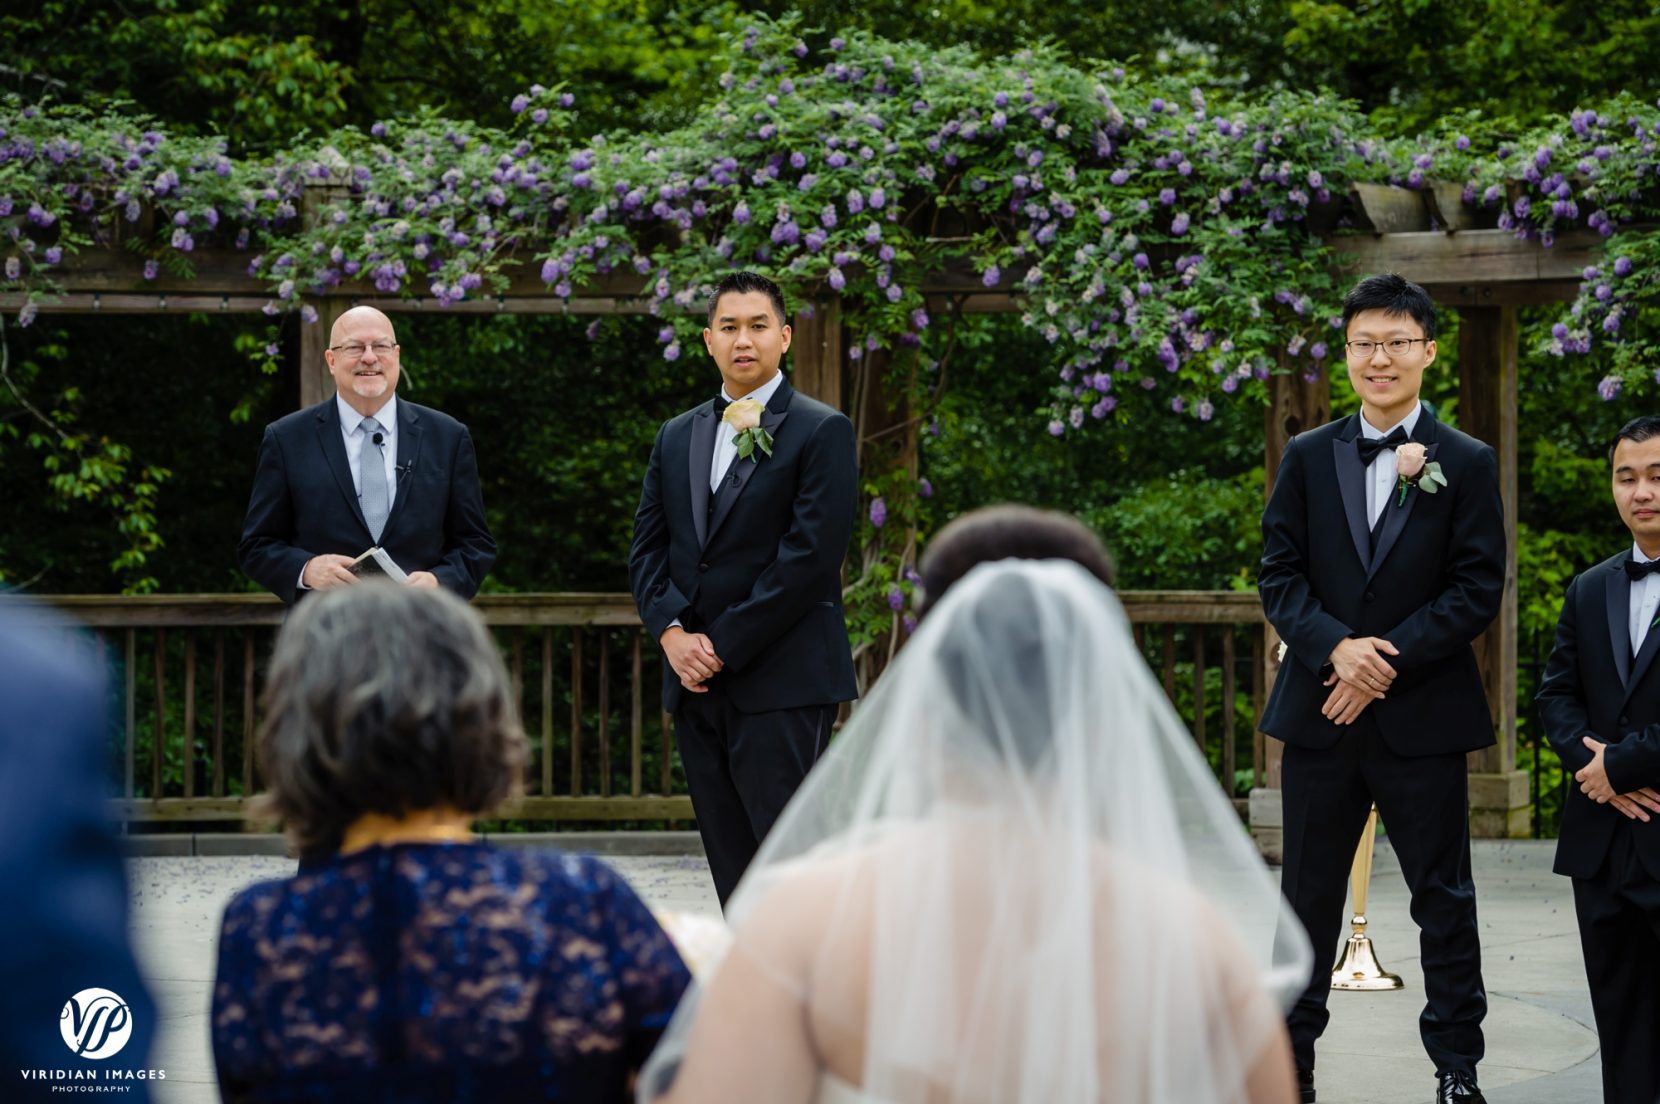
721	403
1637	571
1370	446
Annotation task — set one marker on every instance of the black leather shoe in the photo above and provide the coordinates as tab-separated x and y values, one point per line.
1305	1085
1458	1088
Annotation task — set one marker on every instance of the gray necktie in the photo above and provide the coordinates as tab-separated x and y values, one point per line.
371	471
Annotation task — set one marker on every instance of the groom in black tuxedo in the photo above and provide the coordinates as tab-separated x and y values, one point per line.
1383	559
736	570
1601	705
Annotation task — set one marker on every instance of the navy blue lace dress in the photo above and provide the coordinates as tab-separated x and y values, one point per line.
441	972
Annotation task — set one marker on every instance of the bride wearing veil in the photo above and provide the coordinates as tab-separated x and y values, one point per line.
1012	880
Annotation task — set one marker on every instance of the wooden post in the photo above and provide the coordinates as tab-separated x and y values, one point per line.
1294	405
816	353
315	382
1487	355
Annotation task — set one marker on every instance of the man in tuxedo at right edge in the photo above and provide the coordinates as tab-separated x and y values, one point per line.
1600	701
1383	559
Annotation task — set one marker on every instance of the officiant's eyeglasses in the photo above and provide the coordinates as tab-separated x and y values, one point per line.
1362	350
351	350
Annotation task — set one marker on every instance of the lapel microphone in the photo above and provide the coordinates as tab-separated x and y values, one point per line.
378	438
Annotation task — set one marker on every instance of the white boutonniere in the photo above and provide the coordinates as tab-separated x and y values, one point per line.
744	416
1411	471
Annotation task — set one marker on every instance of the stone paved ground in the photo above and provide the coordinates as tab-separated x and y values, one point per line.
1540	1045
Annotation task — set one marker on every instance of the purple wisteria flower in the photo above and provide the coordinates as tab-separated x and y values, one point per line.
1609	388
896	599
1056	428
151	268
993	275
878	512
1622	266
924	488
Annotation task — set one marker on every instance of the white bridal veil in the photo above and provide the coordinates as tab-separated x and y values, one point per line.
1012	879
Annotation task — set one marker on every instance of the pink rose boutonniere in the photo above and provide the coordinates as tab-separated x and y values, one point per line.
1411	471
744	416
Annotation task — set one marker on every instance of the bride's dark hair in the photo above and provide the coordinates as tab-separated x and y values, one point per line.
1008	532
998	669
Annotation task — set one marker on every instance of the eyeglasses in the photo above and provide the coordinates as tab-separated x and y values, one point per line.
352	350
1400	346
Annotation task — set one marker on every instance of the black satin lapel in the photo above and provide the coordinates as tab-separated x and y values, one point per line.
701	455
1619	620
1645	657
1395	517
1351	481
409	454
334	451
741	471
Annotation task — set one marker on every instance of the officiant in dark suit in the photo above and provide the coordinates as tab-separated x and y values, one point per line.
362	469
1383	559
1600	701
744	519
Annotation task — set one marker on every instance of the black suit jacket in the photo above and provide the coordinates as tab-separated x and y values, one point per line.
1433	585
304	504
760	573
1595	687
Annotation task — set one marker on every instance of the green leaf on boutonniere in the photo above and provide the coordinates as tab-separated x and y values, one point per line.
1434	475
752	439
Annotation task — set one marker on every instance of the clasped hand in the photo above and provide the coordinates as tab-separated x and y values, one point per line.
1360	676
1593	782
691	656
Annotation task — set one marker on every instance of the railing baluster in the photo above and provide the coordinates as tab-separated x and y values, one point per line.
1170	661
161	715
131	712
219	713
190	712
576	711
1259	683
1229	729
636	720
518	668
249	737
1198	632
604	713
547	711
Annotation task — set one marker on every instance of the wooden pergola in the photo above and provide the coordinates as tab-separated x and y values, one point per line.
1482	274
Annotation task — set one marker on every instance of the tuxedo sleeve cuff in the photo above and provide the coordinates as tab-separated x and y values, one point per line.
1634	762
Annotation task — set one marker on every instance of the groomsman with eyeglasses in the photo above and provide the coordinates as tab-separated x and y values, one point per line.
1383	559
1600	701
365	469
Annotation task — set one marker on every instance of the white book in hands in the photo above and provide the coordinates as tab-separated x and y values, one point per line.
376	562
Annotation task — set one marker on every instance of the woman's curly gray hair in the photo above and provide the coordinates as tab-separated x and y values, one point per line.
384	699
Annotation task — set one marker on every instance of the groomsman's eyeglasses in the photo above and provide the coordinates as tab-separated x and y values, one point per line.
1362	350
352	350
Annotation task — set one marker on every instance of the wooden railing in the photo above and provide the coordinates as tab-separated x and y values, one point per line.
186	672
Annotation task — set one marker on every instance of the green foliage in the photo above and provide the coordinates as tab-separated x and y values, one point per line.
1411	62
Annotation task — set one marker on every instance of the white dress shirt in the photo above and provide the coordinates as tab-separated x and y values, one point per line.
726	438
1645	600
351	431
1380	474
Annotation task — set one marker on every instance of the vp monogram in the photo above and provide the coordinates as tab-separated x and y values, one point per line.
96	1023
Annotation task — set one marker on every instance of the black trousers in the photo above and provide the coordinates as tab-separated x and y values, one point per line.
1619	930
742	769
1424	802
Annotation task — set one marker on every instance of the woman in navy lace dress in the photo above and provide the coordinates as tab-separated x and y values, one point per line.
408	961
